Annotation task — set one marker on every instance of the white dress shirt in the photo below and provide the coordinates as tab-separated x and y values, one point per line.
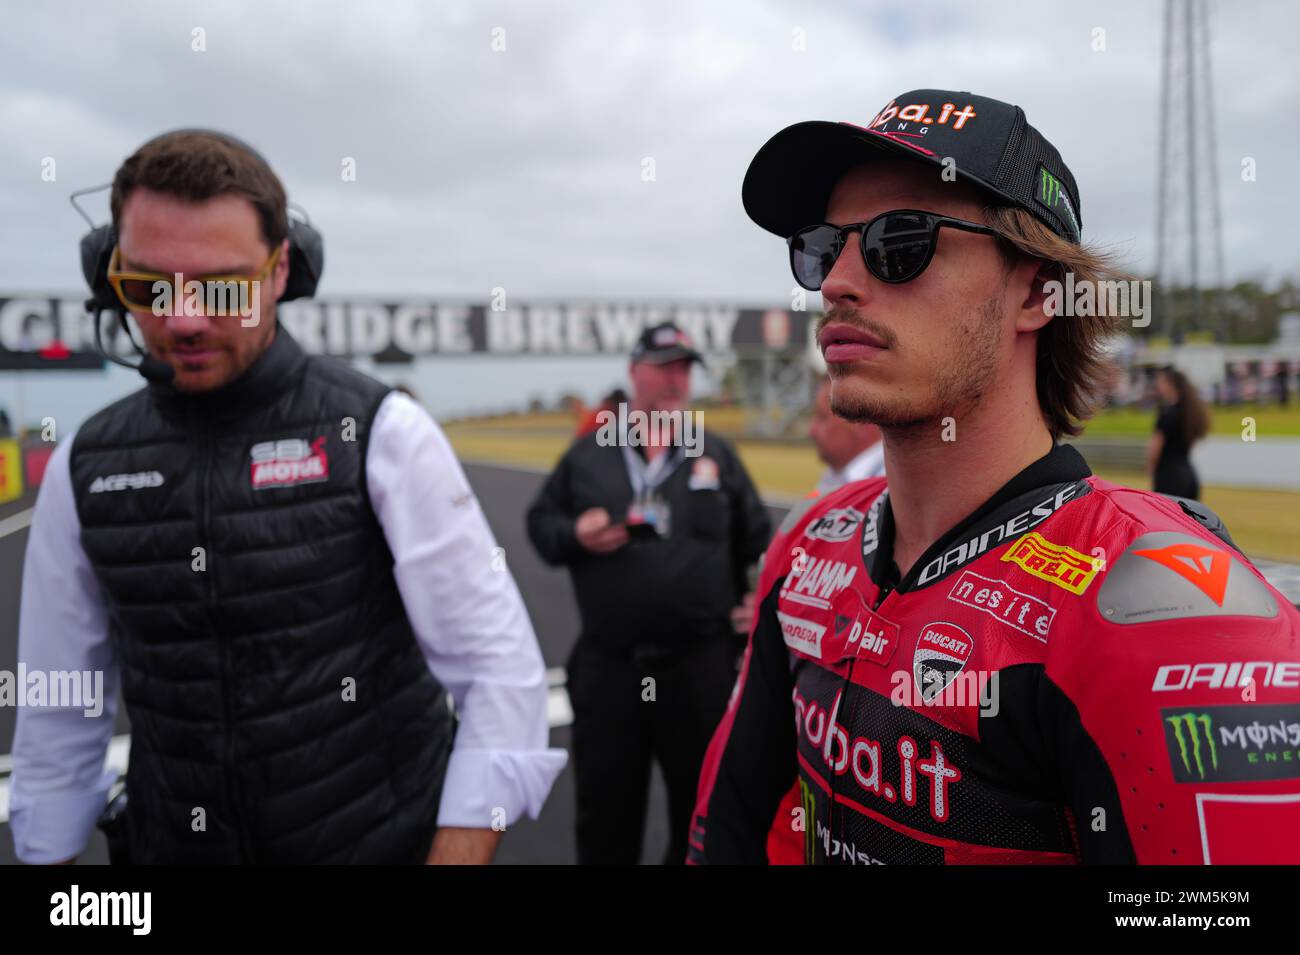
868	463
462	602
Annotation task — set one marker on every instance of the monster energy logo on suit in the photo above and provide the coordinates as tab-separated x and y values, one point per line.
808	800
1233	743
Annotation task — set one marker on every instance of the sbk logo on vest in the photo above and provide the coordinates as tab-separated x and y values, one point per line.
288	462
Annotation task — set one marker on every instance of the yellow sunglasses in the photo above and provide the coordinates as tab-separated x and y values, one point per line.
223	295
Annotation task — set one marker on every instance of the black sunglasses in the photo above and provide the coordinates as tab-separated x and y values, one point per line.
896	246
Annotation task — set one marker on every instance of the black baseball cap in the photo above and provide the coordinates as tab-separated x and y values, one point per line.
663	343
992	145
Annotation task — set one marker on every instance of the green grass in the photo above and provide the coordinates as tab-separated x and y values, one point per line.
1270	422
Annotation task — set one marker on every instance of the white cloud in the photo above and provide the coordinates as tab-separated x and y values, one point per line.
523	168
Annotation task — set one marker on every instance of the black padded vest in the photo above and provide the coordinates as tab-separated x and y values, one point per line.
281	710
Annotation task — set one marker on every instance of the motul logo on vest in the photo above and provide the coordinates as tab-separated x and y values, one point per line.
288	462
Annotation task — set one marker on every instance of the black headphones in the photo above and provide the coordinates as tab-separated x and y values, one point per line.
306	262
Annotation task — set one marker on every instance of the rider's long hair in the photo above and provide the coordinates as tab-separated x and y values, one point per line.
1072	363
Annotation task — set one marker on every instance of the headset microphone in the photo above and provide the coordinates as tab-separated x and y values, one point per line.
153	370
96	247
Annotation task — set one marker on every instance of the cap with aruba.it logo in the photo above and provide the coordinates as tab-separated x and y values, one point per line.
986	142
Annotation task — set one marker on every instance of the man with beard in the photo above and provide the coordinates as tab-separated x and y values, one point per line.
278	566
991	656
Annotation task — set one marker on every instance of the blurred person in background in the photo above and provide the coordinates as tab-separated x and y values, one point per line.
851	450
659	543
1182	421
589	418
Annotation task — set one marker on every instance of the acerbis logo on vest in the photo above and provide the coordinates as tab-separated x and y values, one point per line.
74	908
126	482
288	462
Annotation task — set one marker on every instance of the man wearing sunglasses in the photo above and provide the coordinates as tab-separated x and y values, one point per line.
279	563
989	656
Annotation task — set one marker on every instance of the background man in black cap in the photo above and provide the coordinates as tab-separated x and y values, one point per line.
658	526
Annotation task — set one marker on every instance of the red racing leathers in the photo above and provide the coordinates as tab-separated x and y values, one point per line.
1077	672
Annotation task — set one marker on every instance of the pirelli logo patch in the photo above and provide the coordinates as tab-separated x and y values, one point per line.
1056	563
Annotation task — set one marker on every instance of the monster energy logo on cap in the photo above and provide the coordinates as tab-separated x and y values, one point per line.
1235	743
1053	194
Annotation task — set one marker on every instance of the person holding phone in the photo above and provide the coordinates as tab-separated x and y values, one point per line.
658	524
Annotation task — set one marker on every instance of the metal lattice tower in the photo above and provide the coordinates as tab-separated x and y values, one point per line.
1187	177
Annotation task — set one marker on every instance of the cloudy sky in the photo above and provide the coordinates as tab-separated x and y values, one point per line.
522	167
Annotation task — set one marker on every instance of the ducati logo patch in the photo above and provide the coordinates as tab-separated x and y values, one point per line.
288	462
942	651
